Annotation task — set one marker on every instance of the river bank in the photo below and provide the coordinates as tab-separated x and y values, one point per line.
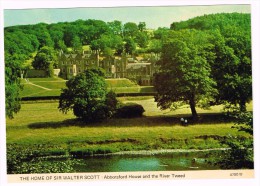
40	130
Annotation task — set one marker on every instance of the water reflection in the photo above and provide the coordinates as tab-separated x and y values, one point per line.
158	162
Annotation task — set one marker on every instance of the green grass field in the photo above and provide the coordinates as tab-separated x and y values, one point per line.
39	87
42	123
120	83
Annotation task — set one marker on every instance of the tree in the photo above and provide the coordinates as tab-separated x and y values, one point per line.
142	39
86	94
130	45
161	33
115	27
155	46
108	42
241	79
57	33
61	45
185	74
232	68
118	44
241	150
130	29
94	30
44	60
76	44
70	32
12	85
43	35
20	43
142	26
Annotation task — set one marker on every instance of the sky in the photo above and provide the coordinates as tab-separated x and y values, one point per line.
153	16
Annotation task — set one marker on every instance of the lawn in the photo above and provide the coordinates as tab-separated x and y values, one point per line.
40	87
42	123
121	83
57	79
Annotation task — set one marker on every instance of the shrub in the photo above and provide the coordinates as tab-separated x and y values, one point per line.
111	102
86	94
129	110
33	159
102	112
241	153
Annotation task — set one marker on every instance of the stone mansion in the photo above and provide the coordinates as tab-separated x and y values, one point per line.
138	69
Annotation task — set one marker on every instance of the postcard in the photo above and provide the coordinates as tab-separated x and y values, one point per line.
135	93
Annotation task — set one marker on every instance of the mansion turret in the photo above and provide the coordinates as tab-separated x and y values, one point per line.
138	69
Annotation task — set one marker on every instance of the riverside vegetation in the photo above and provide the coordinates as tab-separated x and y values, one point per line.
53	134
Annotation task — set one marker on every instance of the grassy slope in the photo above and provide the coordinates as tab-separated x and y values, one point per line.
42	123
55	85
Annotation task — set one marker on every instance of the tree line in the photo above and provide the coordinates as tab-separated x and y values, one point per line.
207	58
98	34
41	42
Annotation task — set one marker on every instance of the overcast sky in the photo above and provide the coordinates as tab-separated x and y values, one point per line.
153	16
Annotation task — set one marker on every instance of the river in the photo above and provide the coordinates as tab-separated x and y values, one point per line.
158	162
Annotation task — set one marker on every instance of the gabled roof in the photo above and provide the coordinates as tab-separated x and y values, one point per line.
139	58
73	55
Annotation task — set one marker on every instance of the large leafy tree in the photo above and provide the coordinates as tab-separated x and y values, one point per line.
70	32
86	94
185	73
57	33
76	44
108	42
43	35
115	27
232	67
142	39
142	26
94	29
155	46
238	82
45	60
18	42
12	84
130	29
129	46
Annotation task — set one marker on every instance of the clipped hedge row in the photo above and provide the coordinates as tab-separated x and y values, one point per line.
40	98
129	110
58	97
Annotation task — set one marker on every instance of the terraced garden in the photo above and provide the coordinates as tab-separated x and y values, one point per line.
41	87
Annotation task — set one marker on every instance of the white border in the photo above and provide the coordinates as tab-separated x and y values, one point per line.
24	4
2	103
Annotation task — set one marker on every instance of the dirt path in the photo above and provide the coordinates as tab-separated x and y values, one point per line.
30	83
39	86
